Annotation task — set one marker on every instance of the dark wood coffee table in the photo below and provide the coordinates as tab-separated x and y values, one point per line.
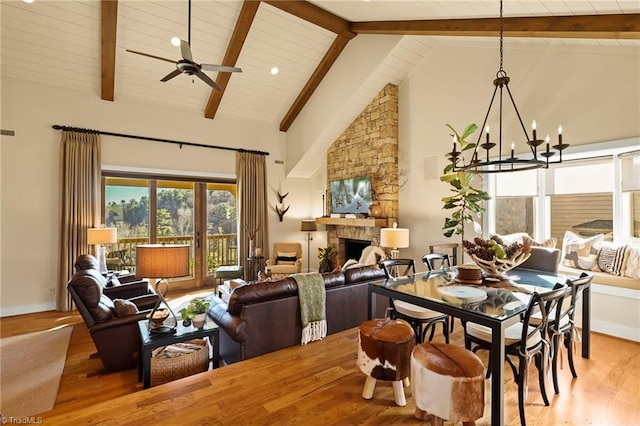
182	334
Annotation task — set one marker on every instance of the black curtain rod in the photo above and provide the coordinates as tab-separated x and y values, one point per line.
122	135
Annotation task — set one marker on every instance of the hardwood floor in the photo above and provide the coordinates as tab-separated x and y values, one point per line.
304	385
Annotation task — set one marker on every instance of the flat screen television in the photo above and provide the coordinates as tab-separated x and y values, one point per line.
352	195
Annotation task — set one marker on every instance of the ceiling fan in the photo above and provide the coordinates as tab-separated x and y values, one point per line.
186	65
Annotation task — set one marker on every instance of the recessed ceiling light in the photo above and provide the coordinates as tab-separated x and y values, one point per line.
175	41
28	1
275	70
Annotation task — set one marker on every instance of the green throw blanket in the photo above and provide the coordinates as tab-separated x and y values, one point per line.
312	298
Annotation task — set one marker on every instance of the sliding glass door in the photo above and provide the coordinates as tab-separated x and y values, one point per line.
168	211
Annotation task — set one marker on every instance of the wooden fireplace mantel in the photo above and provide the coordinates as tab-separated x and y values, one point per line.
358	222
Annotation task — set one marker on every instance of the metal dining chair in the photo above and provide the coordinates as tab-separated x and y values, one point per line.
524	340
451	249
562	325
420	319
438	262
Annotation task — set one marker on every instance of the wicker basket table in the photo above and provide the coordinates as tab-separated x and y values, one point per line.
166	369
181	334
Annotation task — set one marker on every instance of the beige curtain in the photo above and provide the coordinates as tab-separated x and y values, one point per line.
252	205
80	175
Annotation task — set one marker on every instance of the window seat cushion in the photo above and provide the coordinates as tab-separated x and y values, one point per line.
603	278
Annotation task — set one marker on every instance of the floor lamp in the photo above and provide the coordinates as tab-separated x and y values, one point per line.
308	226
99	237
162	261
394	238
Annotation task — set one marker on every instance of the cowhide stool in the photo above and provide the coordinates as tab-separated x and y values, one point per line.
384	354
447	382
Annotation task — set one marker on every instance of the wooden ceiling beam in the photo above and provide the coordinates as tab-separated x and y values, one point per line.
321	70
315	15
108	28
240	32
618	26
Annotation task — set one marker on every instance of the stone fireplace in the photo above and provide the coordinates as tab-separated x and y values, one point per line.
368	147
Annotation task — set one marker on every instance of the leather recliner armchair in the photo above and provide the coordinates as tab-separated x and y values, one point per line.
114	332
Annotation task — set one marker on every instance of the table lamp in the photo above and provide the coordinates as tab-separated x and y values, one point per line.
308	226
99	237
162	262
394	238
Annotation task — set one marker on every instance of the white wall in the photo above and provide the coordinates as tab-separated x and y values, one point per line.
29	174
594	93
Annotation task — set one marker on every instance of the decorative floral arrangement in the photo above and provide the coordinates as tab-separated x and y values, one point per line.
494	257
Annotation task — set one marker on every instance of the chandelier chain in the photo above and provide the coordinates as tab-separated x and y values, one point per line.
501	32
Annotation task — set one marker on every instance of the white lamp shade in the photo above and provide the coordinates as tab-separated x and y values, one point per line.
394	237
162	261
102	235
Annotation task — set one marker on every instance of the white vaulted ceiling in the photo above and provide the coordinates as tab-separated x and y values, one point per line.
59	43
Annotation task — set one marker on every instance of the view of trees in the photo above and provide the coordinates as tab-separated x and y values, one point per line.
174	214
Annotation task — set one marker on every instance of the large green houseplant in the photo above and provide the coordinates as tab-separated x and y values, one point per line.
466	202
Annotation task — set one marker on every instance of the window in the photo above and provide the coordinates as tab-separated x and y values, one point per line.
595	190
578	202
165	211
630	197
515	198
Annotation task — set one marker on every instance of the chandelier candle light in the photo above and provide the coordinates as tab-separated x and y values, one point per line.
491	163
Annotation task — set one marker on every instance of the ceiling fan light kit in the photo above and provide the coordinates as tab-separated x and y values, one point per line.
186	65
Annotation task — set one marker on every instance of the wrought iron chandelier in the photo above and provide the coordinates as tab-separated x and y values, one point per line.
483	160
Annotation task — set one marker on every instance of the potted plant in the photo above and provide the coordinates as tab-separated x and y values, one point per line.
195	311
466	203
327	258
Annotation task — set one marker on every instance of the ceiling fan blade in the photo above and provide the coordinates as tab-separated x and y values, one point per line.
202	76
220	68
152	56
185	49
172	74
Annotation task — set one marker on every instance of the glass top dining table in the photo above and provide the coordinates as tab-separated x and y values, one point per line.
495	304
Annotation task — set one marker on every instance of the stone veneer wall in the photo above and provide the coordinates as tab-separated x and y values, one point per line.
368	147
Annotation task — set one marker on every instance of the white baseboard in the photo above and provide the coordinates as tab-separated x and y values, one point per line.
629	333
27	309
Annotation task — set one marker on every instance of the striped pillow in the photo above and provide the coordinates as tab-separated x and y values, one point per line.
611	258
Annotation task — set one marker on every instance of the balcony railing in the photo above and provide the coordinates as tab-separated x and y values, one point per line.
222	249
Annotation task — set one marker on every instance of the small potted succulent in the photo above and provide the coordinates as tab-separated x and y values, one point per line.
195	312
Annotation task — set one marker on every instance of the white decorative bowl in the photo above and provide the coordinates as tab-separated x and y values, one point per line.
496	268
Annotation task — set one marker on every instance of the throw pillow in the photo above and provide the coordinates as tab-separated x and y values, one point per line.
509	239
580	252
286	258
548	243
611	257
632	269
124	308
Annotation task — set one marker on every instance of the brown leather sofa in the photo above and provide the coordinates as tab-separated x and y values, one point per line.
265	317
114	332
